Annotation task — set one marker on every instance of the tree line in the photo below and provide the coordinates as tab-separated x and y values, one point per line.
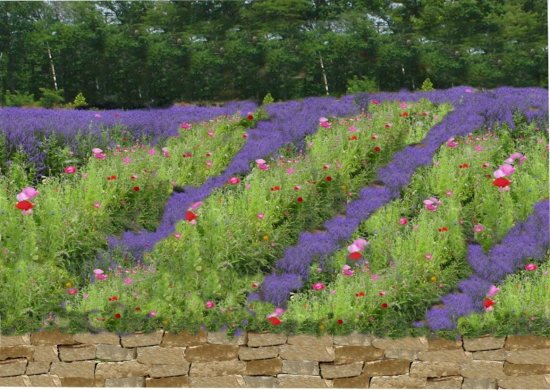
136	54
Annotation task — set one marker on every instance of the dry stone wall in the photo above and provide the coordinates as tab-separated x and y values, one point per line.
163	359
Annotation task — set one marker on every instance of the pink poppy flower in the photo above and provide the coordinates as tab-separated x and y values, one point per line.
352	129
290	171
478	228
98	271
245	135
403	221
209	163
493	290
152	314
375	277
375	102
530	267
428	256
195	205
234	180
318	286
347	271
432	203
403	106
96	151
72	291
260	216
177	236
165	152
479	148
70	169
185	126
27	194
451	143
152	152
97	205
101	277
210	304
128	281
126	160
277	313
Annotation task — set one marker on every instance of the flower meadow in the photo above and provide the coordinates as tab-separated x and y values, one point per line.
394	213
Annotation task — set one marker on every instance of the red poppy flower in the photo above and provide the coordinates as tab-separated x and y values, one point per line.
377	149
443	229
501	182
187	154
300	199
340	322
404	114
250	117
133	177
488	302
355	256
360	294
190	216
276	188
387	125
113	298
136	188
137	308
24	205
118	315
353	138
384	305
274	321
113	177
465	165
328	178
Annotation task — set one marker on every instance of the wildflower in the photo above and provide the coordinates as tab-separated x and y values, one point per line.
210	133
463	166
375	102
347	271
382	293
70	169
493	290
185	126
403	221
260	215
384	305
274	321
255	285
388	125
297	188
101	277
137	308
432	203
128	281
299	199
152	152
479	148
428	256
111	178
112	298
245	135
323	122
209	163
126	160
27	194
488	304
318	286
328	179
501	182
377	149
478	228
404	114
187	154
360	294
97	205
210	304
136	188
355	256
353	138
340	322
530	267
374	137
443	229
24	205
165	152
325	167
152	314
72	291
375	277
118	315
352	129
276	188
177	236
190	216
451	143
290	171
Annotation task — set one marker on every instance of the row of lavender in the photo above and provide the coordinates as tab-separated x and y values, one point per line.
529	239
27	128
472	110
289	122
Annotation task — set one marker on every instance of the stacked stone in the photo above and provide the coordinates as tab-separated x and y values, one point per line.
162	359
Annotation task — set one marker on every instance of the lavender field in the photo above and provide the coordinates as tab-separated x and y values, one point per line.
389	213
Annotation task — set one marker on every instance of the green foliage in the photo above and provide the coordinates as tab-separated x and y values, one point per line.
365	84
427	85
79	101
51	98
268	99
19	99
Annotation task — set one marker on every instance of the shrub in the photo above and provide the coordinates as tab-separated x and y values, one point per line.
51	98
427	85
19	99
365	84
